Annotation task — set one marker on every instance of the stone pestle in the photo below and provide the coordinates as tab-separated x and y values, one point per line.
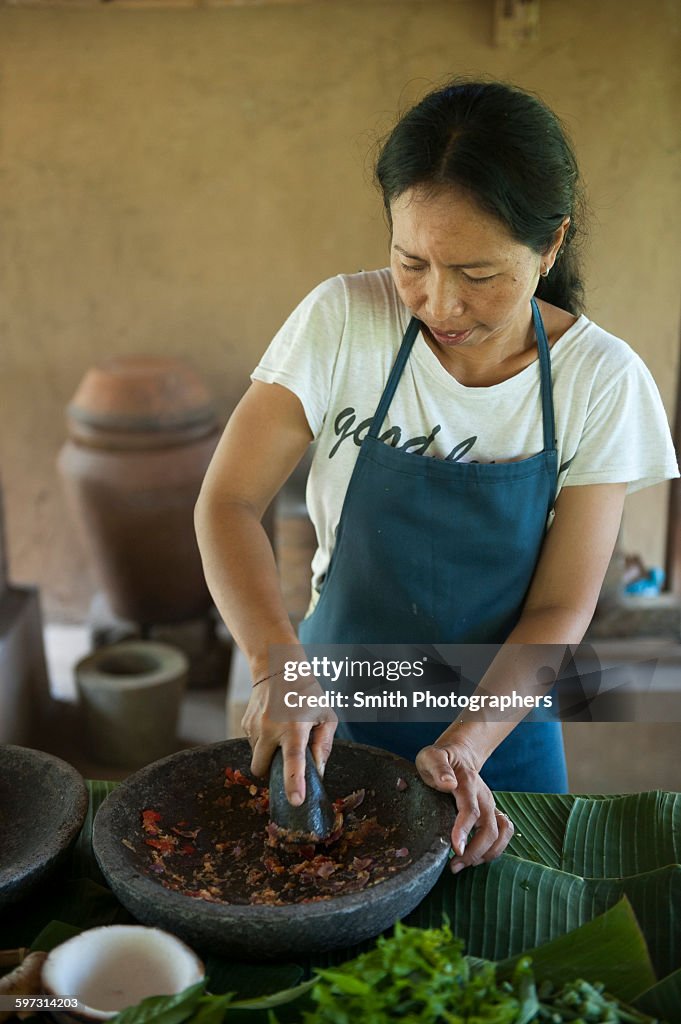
315	815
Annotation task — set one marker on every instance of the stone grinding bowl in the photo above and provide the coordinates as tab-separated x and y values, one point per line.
423	817
43	803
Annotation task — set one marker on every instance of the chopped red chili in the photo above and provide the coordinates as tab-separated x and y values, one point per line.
262	863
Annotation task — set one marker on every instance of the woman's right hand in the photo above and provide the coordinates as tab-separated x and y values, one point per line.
452	767
268	724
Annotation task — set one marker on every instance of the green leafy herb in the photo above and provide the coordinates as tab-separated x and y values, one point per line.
212	1009
421	975
164	1009
581	1001
416	975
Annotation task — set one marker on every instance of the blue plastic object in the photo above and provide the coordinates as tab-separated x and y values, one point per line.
647	586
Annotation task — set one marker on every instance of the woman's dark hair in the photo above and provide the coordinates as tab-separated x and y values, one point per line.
508	151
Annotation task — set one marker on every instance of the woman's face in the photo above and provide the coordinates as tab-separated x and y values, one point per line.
460	272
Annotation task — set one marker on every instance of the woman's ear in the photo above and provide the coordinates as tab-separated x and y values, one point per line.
558	239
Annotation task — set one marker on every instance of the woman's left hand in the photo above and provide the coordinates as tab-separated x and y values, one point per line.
450	768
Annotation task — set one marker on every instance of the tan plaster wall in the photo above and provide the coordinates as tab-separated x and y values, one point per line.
175	180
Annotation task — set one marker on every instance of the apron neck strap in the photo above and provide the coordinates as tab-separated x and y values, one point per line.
395	374
545	373
544	369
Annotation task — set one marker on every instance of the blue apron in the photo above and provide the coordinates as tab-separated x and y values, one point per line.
435	552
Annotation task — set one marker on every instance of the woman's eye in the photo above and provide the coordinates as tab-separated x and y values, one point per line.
479	280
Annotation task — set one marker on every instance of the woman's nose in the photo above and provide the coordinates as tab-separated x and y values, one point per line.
443	300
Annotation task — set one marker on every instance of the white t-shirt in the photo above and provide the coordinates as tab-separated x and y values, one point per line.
335	353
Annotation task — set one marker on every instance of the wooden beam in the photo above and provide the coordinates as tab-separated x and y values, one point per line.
160	4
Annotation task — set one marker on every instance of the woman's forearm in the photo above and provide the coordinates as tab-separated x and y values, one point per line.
557	611
264	440
241	574
527	664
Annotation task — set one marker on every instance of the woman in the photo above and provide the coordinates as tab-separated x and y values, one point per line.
475	436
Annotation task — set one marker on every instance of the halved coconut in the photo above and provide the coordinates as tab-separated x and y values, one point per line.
118	965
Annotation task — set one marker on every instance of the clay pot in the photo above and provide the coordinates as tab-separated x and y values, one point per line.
142	431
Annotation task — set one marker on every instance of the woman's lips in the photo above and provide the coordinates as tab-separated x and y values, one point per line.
450	337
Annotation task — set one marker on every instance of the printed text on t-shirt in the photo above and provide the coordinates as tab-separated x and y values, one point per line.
345	427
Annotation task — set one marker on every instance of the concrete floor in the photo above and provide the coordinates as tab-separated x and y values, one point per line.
623	757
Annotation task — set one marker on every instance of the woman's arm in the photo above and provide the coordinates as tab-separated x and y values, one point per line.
558	609
266	437
264	440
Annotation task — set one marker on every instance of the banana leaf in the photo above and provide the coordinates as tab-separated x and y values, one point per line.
622	836
540	821
76	901
508	906
596	947
616	932
568	863
82	862
633	841
596	836
571	859
53	935
663	999
252	980
610	949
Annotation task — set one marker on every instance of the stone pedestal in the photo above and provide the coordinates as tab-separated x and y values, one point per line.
130	694
24	688
204	641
